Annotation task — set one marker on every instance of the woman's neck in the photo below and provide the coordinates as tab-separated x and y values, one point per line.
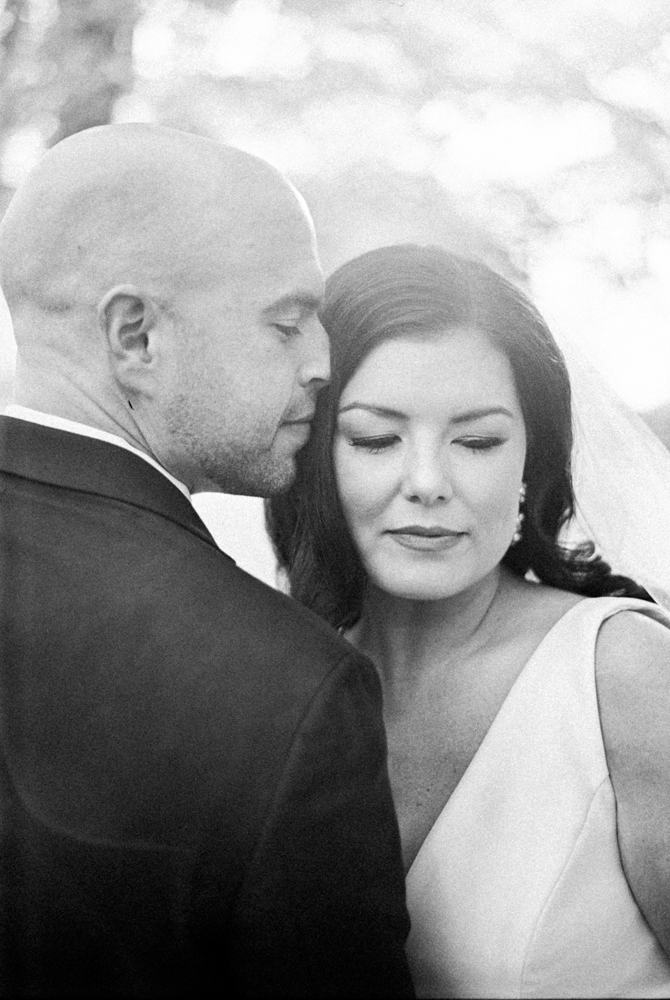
407	639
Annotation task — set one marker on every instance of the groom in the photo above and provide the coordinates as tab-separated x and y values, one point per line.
194	792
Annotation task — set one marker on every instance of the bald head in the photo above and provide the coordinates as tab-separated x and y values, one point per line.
133	204
164	288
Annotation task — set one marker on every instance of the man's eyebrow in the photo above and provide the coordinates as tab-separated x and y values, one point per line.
460	418
306	302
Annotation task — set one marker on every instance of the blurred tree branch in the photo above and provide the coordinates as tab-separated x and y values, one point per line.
90	44
64	67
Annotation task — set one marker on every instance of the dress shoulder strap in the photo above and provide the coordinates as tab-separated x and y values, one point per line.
596	610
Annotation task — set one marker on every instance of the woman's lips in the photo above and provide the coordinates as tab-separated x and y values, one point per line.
426	539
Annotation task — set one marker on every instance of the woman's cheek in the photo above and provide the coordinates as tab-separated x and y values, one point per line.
499	507
351	487
363	483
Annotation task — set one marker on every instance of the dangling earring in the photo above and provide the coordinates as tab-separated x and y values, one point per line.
516	537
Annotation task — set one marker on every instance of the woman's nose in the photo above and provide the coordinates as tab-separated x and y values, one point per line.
427	477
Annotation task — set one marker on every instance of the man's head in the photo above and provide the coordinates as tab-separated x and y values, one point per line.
164	287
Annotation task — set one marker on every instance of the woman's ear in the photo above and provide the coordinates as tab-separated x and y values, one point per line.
126	317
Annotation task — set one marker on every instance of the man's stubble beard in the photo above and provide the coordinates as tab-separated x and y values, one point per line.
246	468
238	472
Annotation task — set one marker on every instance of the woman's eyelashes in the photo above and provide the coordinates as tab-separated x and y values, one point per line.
381	442
480	443
377	443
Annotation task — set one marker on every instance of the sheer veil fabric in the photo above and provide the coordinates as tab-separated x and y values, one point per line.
621	474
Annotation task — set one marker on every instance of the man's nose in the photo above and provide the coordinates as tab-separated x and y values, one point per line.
427	476
315	367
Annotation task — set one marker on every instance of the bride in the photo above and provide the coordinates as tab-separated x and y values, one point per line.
526	685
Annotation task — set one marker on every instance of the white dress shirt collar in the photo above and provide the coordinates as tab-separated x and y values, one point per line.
74	427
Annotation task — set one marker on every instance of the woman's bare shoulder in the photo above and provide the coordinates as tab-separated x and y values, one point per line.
633	651
633	684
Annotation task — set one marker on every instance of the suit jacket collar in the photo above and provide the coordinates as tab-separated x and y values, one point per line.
89	465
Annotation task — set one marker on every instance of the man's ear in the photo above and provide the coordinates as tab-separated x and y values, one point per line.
126	316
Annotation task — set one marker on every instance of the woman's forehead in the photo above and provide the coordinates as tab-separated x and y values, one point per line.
458	368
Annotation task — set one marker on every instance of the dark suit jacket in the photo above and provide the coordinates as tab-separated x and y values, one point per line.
193	780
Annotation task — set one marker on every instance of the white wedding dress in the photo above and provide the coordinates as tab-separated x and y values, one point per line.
518	890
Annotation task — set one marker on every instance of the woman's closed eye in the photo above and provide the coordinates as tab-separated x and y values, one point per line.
380	442
480	442
373	444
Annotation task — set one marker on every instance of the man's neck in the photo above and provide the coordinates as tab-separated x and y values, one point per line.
69	403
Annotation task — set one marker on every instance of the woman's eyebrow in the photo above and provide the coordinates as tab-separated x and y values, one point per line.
379	411
460	418
485	411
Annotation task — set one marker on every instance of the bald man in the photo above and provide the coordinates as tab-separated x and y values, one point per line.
194	792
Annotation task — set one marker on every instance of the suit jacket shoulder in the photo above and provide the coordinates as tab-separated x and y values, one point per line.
193	766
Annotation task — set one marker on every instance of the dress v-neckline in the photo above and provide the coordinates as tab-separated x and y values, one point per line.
549	635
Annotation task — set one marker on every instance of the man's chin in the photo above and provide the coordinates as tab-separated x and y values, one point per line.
281	481
264	480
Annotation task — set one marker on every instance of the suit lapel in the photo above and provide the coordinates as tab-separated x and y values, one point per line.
88	465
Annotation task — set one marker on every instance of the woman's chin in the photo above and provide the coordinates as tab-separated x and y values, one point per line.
424	588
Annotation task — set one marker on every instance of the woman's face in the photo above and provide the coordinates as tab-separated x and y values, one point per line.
429	455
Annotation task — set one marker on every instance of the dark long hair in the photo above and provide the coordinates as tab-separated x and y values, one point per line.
408	290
